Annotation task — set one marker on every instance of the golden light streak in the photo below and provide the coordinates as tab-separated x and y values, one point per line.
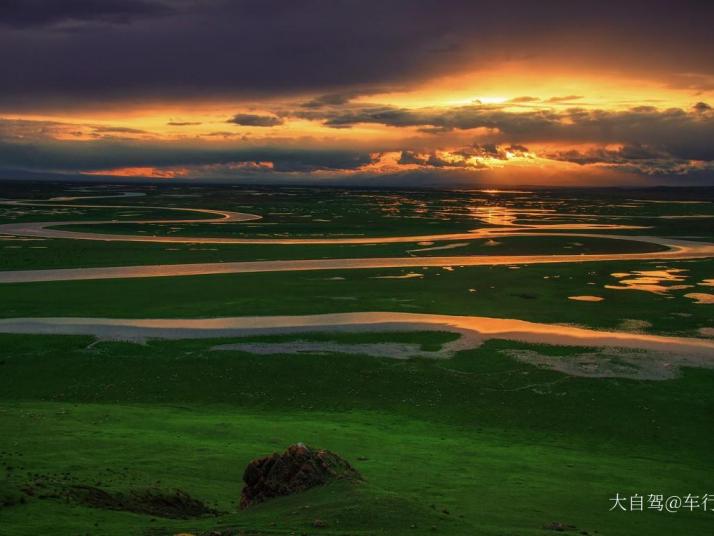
149	172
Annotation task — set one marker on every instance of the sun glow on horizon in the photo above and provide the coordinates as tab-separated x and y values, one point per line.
491	100
468	123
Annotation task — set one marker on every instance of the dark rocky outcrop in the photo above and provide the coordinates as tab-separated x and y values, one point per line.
297	469
176	504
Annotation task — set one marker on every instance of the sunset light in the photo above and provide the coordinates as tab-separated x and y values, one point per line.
622	114
356	268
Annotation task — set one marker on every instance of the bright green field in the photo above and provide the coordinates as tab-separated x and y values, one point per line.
479	444
503	447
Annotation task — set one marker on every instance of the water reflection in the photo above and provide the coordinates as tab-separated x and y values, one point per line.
473	330
656	281
701	298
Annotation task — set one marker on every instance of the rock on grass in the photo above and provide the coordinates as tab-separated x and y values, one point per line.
297	469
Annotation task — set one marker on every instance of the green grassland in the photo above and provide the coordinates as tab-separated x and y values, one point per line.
695	220
285	227
326	211
537	293
47	212
63	253
477	445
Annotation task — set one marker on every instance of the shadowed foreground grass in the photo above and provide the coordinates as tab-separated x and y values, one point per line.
479	444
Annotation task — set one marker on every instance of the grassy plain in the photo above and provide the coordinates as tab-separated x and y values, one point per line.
480	444
503	447
537	293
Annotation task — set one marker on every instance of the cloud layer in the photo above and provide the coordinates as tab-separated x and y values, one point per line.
310	88
83	51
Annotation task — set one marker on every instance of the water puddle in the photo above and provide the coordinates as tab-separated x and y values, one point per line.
701	298
656	281
435	248
634	355
410	275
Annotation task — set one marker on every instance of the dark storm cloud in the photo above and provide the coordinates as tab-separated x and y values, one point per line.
119	130
631	159
333	99
254	120
492	150
464	157
79	156
434	160
625	154
29	13
634	159
702	107
684	134
148	49
410	157
463	117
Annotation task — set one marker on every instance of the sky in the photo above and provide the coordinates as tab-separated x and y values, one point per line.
397	92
